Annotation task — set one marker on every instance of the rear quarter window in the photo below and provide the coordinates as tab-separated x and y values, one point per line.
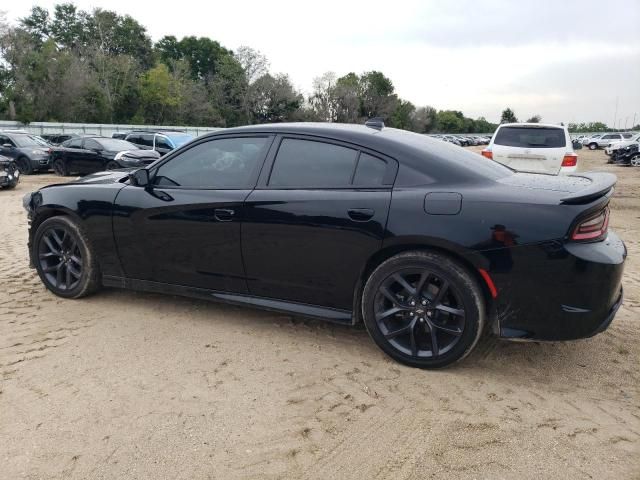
530	137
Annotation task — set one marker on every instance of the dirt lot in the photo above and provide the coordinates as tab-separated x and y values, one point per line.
128	385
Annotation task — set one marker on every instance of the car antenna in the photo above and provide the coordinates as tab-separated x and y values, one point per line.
375	122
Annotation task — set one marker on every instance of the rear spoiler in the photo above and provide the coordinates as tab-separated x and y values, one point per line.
601	184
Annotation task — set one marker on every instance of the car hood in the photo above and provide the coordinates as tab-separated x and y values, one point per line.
139	154
111	176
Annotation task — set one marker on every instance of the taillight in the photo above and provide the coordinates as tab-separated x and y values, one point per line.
593	228
570	160
487	153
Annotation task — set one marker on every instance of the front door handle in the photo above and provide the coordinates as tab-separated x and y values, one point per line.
223	214
361	214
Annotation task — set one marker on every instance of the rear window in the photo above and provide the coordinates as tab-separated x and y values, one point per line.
537	137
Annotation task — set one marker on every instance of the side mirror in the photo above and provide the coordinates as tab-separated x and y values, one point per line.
140	178
7	145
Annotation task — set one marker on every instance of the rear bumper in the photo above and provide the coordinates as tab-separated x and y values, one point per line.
559	291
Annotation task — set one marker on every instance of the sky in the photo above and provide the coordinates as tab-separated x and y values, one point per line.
568	61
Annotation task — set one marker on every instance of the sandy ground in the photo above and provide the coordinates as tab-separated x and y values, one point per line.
128	385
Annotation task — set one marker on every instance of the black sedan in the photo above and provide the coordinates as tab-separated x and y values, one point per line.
428	244
90	154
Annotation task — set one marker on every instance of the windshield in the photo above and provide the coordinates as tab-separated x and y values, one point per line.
531	137
115	145
29	141
179	139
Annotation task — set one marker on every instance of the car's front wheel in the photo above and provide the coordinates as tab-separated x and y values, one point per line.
423	309
64	259
60	167
112	165
593	146
24	166
635	160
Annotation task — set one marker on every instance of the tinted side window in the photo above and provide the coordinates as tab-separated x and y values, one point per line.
308	164
92	144
146	140
133	139
162	142
370	171
224	163
543	137
74	143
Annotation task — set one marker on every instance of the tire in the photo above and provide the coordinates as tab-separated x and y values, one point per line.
112	165
454	317
635	160
60	167
24	166
593	146
73	271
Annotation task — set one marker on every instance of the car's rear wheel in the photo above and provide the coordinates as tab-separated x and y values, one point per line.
635	160
60	167
112	165
24	166
593	146
423	309
64	259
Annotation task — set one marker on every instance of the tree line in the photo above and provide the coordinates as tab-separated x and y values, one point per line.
70	65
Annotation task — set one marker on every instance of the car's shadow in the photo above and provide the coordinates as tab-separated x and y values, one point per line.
515	361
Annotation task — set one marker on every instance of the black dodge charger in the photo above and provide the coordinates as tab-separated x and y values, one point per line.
428	244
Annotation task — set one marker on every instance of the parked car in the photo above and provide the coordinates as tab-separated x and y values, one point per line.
533	147
616	144
30	152
89	154
9	173
58	138
426	243
162	141
452	139
594	143
119	135
628	155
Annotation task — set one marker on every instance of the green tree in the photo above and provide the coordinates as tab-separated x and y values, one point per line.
403	115
535	119
274	99
508	116
449	121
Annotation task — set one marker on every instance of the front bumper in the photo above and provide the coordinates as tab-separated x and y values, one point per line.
559	291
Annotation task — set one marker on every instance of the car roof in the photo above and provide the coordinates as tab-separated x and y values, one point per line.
534	125
429	156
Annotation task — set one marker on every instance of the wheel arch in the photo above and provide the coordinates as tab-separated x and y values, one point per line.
471	262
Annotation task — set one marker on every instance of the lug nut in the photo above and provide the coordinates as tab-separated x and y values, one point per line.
424	302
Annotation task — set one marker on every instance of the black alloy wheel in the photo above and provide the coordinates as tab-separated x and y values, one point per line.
63	258
423	309
60	258
419	313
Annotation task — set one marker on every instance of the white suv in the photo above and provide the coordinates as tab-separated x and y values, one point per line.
533	147
593	143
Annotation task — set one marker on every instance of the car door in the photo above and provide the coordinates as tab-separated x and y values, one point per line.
184	229
317	215
89	159
72	154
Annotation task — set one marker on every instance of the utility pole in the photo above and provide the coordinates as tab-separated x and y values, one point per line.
625	122
615	115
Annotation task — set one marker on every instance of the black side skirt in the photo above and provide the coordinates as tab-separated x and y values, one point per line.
344	317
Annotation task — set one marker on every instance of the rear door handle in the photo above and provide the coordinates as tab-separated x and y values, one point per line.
361	214
223	214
